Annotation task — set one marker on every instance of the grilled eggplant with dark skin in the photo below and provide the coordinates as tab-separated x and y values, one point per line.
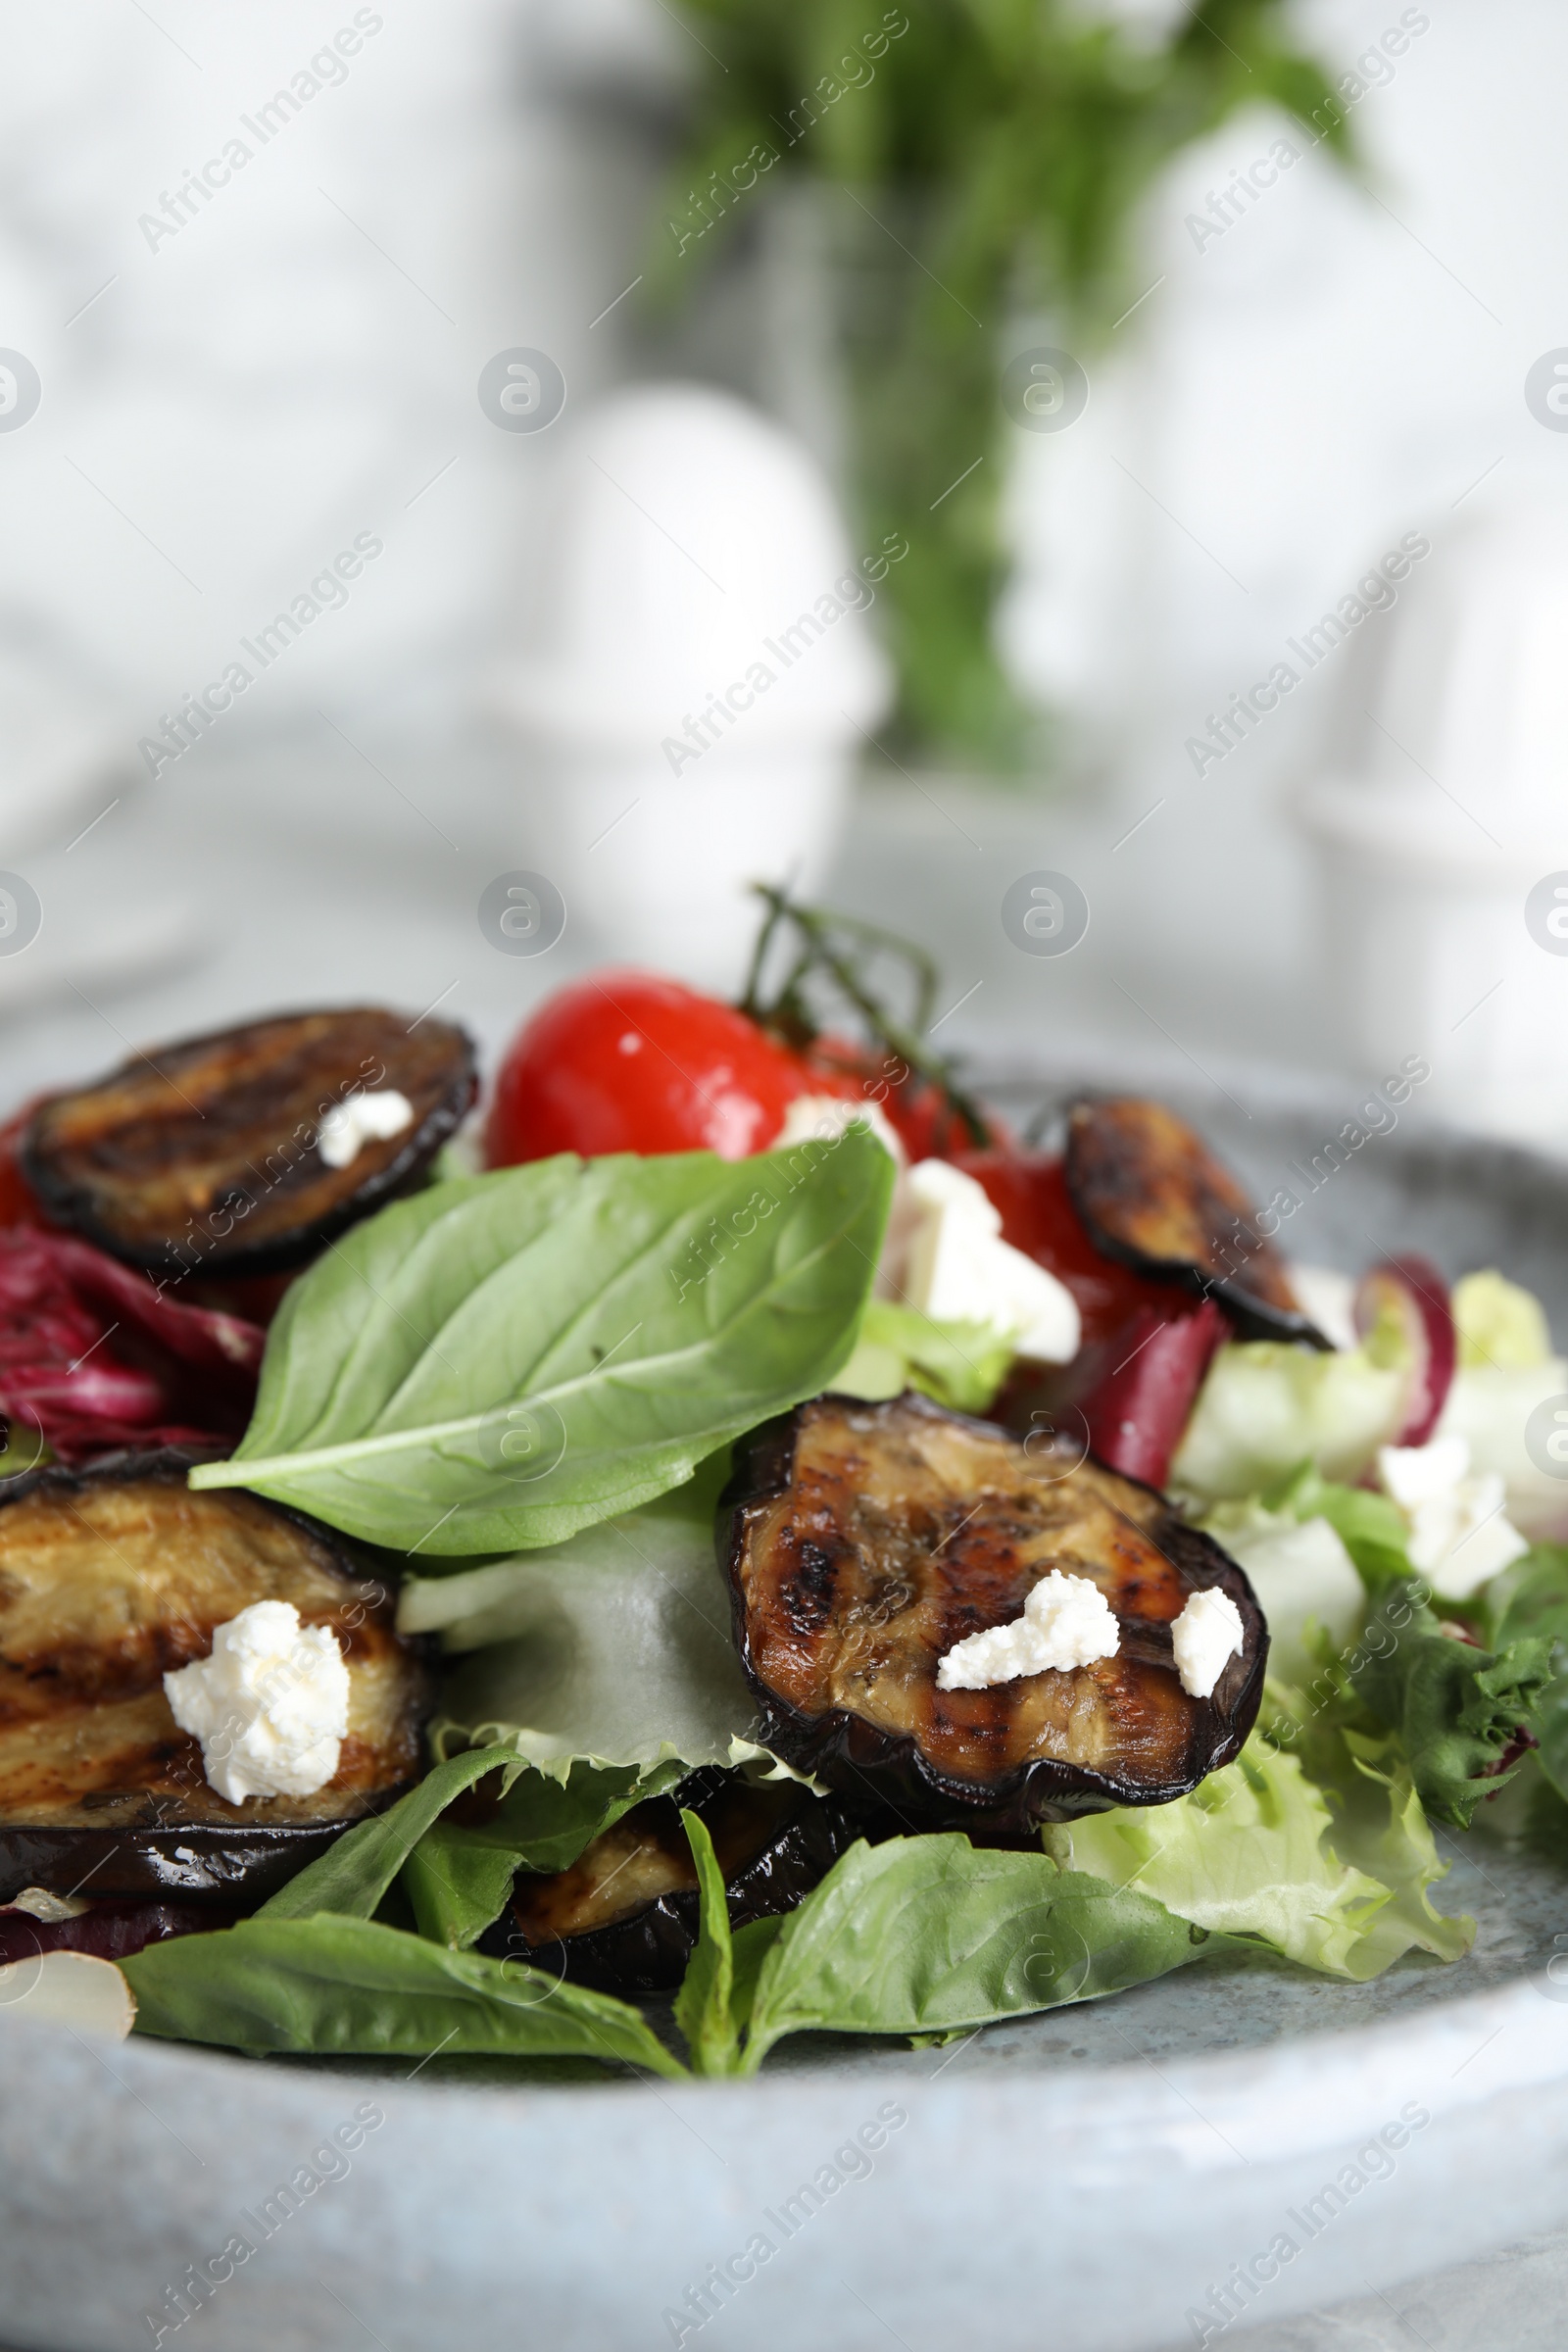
862	1542
203	1156
1152	1194
624	1918
113	1576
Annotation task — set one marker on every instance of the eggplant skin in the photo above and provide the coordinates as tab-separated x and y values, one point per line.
862	1542
109	1578
1151	1195
200	1157
773	1840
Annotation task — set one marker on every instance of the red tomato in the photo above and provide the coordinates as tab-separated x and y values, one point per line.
624	1062
1039	1218
920	1114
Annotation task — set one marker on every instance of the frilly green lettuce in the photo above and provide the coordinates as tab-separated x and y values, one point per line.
1262	1851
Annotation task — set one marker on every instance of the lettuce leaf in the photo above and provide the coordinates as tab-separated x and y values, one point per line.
1379	1826
961	1365
1455	1707
613	1648
1531	1601
1267	1407
1245	1854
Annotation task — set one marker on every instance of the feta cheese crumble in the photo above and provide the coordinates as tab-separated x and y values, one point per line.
269	1706
1205	1636
944	1254
824	1117
360	1119
1066	1621
1460	1536
959	1270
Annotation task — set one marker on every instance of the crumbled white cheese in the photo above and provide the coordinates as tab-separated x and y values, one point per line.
360	1119
957	1268
825	1118
269	1706
1205	1638
1066	1621
1461	1535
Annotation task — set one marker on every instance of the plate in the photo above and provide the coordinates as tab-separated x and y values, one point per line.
1240	2137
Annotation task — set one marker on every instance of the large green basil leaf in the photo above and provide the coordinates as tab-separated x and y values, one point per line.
458	1877
345	1986
927	1934
504	1359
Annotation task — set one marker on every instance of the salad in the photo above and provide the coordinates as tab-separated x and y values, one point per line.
721	1540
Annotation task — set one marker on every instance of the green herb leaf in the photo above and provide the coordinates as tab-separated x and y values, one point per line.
342	1987
502	1360
458	1877
1530	1601
703	2005
355	1873
1455	1707
924	1935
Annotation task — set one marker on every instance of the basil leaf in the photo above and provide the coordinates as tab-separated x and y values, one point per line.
558	1627
922	1934
343	1987
1455	1707
458	1877
504	1359
703	2010
354	1874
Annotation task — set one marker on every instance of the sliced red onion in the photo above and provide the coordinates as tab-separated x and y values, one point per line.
1138	1410
94	1356
1413	1289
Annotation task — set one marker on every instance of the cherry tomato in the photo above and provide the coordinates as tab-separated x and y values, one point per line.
1038	1217
920	1113
625	1061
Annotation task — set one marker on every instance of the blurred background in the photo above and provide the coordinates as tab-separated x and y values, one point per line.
1079	484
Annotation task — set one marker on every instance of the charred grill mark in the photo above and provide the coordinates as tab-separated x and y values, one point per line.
808	1594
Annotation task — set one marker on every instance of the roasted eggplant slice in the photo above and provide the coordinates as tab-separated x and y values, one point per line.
624	1918
862	1542
1153	1194
108	1578
205	1155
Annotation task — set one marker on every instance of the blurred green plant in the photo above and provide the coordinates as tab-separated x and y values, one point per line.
985	157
